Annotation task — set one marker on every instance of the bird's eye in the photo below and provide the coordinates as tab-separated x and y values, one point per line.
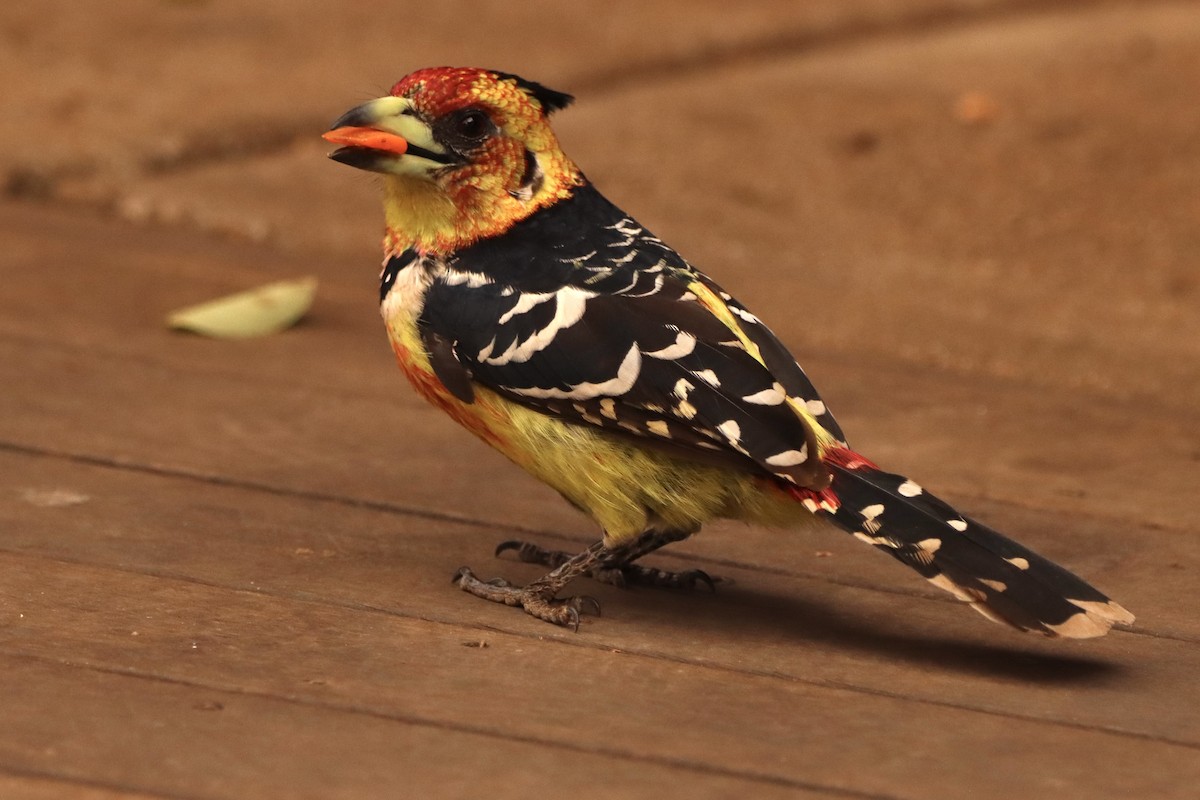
472	125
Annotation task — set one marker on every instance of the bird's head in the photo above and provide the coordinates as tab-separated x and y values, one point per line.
465	153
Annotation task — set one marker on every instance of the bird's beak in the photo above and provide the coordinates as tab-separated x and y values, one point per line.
385	135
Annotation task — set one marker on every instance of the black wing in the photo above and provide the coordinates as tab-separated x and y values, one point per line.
614	329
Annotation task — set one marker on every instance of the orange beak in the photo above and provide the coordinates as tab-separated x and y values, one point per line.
369	138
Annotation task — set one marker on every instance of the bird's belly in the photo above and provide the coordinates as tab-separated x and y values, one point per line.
625	487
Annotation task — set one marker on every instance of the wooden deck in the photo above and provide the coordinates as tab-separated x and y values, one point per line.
225	567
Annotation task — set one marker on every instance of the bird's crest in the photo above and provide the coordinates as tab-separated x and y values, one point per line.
443	89
550	99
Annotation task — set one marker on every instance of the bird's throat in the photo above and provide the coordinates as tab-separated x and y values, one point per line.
432	219
418	215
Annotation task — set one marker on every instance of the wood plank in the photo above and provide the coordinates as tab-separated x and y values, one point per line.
159	735
262	662
805	634
32	786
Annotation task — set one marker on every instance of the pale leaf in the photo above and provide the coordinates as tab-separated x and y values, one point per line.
256	312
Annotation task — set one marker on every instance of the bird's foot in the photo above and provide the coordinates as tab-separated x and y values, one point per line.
531	553
613	571
537	599
628	575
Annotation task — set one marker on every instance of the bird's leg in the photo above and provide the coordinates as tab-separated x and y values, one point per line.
538	598
617	567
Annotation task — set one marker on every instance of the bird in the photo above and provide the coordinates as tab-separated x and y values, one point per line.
563	333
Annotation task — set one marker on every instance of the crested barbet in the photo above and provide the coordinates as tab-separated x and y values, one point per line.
563	333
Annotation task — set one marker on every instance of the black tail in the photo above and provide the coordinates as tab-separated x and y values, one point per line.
999	578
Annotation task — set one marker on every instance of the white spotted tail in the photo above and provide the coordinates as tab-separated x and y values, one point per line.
999	578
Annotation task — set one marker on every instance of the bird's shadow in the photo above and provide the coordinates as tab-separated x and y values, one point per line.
740	612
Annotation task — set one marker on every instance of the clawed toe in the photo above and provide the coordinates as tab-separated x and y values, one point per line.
608	565
530	553
585	602
694	576
628	575
510	544
532	599
562	612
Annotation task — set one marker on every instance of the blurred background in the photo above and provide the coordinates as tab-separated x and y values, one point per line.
225	564
1022	176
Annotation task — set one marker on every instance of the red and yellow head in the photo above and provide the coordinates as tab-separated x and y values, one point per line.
467	152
